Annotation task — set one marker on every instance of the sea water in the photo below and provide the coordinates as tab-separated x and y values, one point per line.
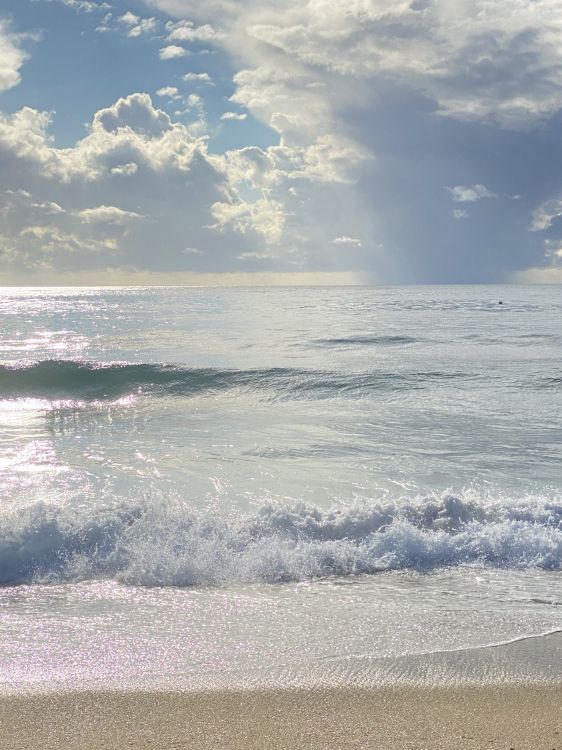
206	487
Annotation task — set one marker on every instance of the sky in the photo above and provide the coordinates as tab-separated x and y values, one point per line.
280	141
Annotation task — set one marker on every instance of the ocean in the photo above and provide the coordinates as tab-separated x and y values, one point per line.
215	487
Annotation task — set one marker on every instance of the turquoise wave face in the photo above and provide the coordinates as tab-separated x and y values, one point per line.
67	380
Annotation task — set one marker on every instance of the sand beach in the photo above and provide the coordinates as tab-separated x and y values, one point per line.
404	718
478	699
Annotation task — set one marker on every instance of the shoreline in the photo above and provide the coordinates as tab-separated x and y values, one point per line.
525	660
505	696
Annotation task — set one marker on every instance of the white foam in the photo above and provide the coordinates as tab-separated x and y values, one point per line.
164	542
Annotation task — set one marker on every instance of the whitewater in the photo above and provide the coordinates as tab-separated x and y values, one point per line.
238	486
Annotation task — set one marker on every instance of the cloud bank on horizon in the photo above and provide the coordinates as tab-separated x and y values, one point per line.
377	140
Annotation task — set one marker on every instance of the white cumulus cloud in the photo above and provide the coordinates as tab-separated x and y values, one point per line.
107	215
198	78
234	116
12	57
65	209
169	91
172	52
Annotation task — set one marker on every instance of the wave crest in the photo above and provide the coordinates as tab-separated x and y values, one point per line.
165	543
64	380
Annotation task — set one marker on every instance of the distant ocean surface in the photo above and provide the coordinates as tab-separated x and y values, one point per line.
203	487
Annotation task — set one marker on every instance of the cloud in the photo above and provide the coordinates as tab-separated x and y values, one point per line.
172	52
550	271
554	251
312	150
539	275
234	116
345	240
544	219
12	57
474	60
545	214
105	25
369	108
125	169
265	216
132	25
195	106
107	215
135	113
39	236
23	137
129	19
198	78
82	6
169	91
130	132
186	31
138	26
133	194
469	193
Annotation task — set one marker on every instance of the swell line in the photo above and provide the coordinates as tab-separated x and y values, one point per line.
63	379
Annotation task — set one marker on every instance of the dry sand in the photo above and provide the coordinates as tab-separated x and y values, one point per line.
402	718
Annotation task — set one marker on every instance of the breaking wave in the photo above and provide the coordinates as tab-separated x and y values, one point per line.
161	542
60	379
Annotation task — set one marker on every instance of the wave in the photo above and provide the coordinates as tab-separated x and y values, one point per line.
163	542
552	382
366	341
62	379
85	380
